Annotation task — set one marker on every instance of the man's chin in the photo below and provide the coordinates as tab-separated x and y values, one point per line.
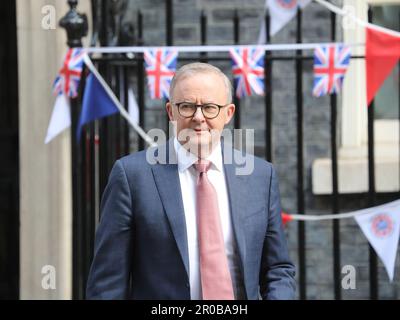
200	143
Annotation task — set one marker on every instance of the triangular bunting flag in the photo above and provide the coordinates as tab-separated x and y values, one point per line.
133	107
64	87
248	70
381	226
382	54
330	66
160	68
60	118
281	12
96	103
286	217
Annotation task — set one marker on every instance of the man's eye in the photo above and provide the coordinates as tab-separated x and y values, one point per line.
186	106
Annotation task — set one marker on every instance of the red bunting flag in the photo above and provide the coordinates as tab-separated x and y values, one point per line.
286	218
382	54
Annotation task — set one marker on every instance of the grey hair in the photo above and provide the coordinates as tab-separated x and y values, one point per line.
200	67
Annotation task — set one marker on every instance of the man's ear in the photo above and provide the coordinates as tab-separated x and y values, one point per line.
168	107
230	111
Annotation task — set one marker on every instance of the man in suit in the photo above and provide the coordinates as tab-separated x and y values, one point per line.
191	227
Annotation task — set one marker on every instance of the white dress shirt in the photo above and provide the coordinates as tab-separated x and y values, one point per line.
188	179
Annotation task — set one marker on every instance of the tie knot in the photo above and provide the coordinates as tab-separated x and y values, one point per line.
202	166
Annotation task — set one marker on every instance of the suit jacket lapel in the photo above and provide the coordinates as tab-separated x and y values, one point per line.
167	181
236	194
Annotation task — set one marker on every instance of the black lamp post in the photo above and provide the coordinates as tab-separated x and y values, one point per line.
75	24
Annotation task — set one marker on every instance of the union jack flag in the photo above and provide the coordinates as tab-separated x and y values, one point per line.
330	65
68	78
248	70
160	68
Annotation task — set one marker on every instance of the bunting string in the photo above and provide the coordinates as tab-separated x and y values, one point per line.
221	48
359	21
303	217
380	225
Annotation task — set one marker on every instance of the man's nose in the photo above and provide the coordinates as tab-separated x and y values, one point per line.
198	115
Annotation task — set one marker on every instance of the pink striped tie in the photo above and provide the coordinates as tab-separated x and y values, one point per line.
216	280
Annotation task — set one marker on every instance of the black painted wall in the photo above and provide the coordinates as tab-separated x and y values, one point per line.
9	159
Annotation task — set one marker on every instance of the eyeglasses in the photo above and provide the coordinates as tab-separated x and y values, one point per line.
209	110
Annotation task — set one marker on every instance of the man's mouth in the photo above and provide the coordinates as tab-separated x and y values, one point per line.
201	131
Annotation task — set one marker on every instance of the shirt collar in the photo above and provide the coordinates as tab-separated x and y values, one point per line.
187	159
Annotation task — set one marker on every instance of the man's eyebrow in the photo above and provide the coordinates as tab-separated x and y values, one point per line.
191	101
186	101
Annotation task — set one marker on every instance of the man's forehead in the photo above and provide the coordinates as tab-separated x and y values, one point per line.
204	73
209	88
189	81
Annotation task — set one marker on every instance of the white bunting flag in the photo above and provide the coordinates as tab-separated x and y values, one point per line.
381	227
133	108
60	118
281	12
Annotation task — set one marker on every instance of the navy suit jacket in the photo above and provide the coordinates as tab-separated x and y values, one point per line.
141	249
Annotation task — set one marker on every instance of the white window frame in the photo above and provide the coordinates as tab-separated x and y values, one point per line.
352	155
